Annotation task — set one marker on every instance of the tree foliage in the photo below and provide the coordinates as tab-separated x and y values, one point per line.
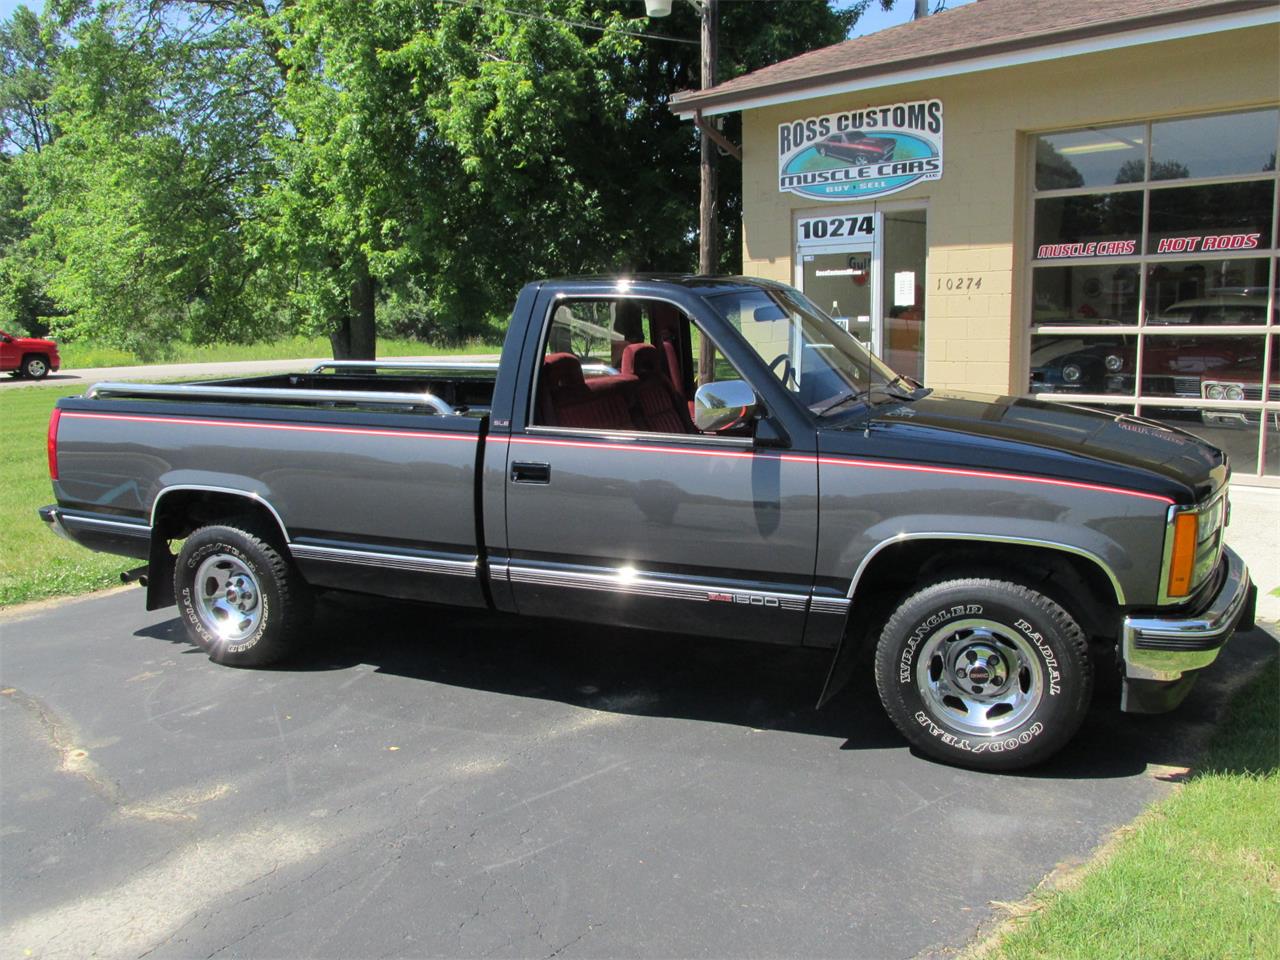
224	169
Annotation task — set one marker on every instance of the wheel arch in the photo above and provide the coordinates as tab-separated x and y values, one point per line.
1076	578
180	509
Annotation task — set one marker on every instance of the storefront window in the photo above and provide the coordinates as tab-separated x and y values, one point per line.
1220	146
1207	292
1153	259
1066	364
1217	217
1097	157
1113	220
1087	294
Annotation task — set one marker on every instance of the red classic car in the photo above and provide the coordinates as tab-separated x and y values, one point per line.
856	147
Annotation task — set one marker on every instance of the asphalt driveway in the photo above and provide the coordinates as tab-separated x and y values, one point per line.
433	783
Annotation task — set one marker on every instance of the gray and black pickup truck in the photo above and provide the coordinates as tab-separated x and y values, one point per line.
687	454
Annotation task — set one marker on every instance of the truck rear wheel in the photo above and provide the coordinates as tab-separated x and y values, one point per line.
242	601
984	673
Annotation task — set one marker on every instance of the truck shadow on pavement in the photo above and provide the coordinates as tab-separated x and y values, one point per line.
760	686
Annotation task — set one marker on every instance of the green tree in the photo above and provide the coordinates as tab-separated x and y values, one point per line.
144	199
219	169
27	50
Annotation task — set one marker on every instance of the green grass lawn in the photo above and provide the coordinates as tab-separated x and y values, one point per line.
1198	877
33	562
80	356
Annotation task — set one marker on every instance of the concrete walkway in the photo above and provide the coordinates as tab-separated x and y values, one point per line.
1253	533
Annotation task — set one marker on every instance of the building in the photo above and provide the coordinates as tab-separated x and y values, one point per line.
1076	200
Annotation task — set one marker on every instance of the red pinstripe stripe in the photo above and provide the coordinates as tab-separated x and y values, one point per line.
850	462
638	448
293	427
990	475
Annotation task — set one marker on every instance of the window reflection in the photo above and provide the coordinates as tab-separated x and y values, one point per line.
1088	158
1092	294
1219	217
1214	292
1066	364
1207	367
1113	219
1216	146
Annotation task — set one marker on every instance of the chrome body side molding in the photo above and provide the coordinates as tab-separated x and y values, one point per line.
988	538
627	581
203	488
412	562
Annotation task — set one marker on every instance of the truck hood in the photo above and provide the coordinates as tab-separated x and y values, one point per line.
1037	437
34	343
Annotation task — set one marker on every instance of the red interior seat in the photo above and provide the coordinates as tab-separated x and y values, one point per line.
658	405
566	399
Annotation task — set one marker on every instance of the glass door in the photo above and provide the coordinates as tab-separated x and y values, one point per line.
867	269
837	267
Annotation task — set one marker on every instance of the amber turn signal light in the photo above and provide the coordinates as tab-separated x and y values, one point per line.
1182	559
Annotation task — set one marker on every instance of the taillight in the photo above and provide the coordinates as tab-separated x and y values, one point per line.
53	443
1182	559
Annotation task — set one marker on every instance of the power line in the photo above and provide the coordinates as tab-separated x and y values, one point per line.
569	23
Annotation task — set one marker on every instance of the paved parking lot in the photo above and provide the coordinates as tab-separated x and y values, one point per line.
433	783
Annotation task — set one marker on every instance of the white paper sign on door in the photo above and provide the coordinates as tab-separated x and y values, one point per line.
904	289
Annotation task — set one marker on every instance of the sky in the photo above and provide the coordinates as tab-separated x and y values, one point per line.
876	19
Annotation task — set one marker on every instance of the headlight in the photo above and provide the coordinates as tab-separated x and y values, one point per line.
1214	391
1071	373
1235	392
1114	362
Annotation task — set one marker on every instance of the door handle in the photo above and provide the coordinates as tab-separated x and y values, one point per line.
522	472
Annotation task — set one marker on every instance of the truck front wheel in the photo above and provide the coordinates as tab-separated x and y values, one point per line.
241	600
984	673
35	366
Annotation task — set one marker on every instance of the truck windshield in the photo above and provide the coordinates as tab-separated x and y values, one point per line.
814	357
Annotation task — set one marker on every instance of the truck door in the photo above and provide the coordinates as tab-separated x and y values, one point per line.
619	511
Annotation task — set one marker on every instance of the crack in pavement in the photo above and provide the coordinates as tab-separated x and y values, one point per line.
74	759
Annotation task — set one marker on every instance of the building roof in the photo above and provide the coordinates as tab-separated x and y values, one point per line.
962	38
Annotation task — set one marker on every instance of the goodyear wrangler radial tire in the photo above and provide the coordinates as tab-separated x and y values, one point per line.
984	673
240	599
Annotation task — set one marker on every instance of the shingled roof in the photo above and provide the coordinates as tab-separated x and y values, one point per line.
977	30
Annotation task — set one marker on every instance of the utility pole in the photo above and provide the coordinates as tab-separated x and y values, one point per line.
708	254
708	249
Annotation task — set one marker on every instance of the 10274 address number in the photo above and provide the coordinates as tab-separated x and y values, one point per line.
954	284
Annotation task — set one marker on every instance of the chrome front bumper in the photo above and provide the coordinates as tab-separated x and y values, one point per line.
1159	651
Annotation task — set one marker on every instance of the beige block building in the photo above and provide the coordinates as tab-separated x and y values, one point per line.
1076	201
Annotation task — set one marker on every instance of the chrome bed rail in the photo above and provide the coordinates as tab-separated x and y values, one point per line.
430	366
185	391
440	366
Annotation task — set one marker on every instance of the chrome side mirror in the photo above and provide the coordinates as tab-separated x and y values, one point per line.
723	406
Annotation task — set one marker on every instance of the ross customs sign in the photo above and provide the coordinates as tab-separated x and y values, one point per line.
860	154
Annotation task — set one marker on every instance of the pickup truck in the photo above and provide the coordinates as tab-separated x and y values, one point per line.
708	456
32	357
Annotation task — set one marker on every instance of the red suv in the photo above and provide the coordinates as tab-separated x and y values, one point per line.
28	356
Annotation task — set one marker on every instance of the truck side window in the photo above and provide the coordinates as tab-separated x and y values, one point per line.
618	364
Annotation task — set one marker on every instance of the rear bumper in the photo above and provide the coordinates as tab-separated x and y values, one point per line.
1161	654
108	533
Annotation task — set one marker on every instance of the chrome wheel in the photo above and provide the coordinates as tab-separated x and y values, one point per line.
36	368
980	677
228	598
